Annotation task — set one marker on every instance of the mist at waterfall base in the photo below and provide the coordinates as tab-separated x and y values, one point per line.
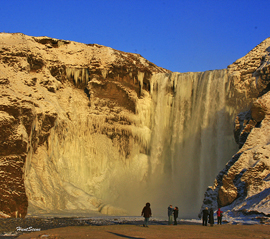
179	139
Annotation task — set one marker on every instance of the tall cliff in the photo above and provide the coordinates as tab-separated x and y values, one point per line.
62	105
242	187
88	129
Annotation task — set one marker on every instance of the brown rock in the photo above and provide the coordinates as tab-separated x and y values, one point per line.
34	72
258	111
248	75
226	195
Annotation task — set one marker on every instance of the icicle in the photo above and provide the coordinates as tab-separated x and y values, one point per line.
104	73
140	78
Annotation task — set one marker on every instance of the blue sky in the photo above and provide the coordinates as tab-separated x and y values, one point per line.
183	35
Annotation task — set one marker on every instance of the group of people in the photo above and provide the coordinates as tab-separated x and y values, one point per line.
172	213
207	216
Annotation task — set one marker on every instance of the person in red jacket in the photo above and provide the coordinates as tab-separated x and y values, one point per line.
219	216
146	213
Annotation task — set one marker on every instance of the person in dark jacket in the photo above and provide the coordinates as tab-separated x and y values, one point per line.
146	213
205	216
211	217
170	215
175	215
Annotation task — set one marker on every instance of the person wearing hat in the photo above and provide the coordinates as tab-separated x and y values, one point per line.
205	216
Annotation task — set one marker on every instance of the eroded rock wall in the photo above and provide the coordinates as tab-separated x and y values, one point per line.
250	76
48	87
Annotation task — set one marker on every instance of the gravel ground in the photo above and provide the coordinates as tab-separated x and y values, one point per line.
153	232
13	227
59	228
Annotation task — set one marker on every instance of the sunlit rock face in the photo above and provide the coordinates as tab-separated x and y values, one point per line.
88	129
67	116
242	187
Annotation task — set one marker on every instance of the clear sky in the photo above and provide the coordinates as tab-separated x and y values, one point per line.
179	35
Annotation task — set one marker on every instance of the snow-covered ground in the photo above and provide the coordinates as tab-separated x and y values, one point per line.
232	214
228	218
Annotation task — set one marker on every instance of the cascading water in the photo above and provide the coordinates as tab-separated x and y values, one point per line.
192	136
167	153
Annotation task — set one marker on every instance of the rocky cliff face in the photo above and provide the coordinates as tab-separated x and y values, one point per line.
242	187
49	89
249	76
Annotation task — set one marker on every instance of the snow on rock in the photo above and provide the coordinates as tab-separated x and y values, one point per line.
58	100
3	215
242	188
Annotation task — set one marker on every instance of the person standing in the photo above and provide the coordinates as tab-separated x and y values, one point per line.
170	215
146	213
219	216
205	216
175	215
211	217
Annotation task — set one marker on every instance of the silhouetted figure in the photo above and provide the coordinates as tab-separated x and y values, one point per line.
219	216
175	215
170	215
211	217
146	213
205	216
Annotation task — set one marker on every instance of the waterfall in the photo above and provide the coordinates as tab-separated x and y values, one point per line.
167	153
192	136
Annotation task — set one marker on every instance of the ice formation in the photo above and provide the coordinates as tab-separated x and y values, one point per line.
167	153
